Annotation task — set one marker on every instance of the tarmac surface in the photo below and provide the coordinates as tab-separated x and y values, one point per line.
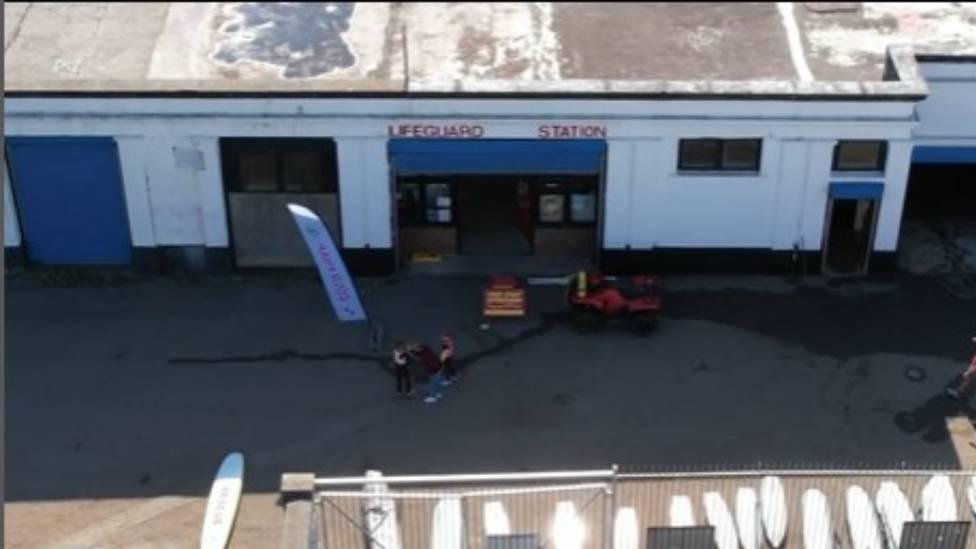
124	394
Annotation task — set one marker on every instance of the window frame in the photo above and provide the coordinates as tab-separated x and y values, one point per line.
880	164
566	189
423	184
718	166
232	148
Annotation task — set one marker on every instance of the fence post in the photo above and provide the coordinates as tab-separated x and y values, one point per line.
610	511
296	496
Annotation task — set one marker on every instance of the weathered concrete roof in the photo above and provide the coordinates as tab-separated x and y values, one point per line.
674	49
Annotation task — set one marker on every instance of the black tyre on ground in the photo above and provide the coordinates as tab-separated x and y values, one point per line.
643	323
587	321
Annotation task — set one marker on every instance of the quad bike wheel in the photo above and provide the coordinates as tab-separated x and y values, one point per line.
643	323
587	321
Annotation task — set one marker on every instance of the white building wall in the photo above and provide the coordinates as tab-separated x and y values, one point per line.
813	204
618	192
177	195
135	182
947	117
789	213
647	203
364	192
11	225
721	210
893	200
651	205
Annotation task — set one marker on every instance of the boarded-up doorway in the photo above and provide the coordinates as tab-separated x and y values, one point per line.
262	176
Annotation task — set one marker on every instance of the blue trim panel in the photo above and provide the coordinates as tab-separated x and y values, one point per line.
496	156
856	191
70	199
944	155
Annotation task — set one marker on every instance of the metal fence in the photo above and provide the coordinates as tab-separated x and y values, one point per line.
608	509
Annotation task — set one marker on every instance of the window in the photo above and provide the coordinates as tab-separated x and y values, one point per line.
866	156
438	203
302	171
567	203
257	171
552	208
282	165
719	154
423	203
582	207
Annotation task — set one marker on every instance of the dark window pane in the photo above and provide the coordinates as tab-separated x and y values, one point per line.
860	155
699	154
582	208
439	203
303	172
741	154
438	215
408	195
409	203
258	171
438	195
551	208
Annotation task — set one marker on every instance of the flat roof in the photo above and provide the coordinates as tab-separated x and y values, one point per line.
479	48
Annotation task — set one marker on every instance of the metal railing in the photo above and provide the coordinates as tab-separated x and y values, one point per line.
607	509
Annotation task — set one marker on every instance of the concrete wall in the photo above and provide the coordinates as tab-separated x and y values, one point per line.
647	203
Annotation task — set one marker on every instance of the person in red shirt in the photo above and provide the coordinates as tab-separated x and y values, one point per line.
967	377
432	366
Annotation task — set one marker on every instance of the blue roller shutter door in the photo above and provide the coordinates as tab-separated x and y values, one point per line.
70	201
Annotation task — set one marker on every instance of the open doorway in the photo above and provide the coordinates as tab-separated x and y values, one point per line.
498	216
938	230
850	233
490	220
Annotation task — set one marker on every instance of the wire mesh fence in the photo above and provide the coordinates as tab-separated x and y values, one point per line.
807	508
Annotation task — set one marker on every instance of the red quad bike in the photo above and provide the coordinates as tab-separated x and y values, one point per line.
595	298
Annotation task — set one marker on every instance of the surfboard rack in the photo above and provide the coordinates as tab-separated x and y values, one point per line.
688	537
934	535
513	541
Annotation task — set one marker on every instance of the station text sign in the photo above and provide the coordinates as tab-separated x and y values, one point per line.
460	130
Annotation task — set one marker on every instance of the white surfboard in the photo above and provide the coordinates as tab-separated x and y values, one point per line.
862	521
772	509
447	530
894	510
568	531
380	511
682	512
939	501
222	505
626	532
718	516
496	519
818	532
971	494
747	518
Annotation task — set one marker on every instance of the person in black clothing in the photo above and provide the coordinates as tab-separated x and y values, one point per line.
403	381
